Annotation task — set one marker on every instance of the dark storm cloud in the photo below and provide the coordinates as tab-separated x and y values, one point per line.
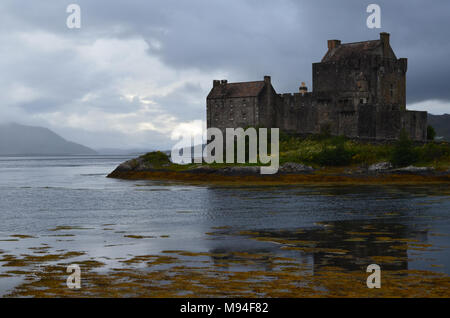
283	38
254	37
239	39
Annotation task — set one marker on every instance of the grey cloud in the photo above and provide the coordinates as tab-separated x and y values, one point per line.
241	39
186	102
249	38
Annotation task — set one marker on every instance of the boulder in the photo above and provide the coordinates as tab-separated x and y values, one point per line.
293	167
380	166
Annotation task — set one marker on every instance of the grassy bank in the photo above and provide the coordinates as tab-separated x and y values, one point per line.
325	152
336	160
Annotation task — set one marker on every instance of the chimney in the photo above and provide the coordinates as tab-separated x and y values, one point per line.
224	81
267	79
303	89
332	44
384	37
216	83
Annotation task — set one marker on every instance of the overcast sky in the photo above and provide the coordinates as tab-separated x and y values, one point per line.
137	72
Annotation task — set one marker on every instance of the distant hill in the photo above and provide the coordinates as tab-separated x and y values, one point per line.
122	152
440	123
18	139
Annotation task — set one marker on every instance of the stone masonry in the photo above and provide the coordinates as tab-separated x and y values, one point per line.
359	91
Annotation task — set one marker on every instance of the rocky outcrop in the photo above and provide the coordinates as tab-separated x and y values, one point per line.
156	165
139	164
287	168
142	165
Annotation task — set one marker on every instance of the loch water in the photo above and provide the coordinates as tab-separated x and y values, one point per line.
67	203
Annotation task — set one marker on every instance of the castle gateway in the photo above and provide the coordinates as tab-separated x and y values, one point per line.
359	91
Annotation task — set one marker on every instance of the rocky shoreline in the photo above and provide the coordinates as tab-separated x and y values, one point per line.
288	173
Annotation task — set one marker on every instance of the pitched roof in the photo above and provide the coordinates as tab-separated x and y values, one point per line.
347	50
244	89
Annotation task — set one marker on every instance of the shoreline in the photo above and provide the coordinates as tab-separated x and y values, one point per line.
318	177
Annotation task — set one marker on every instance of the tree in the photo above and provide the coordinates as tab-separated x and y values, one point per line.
431	133
403	153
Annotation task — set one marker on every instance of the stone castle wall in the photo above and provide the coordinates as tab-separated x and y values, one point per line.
359	91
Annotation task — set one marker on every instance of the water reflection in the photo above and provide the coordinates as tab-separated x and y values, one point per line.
344	245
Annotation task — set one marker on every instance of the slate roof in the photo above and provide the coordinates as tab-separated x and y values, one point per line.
230	90
347	50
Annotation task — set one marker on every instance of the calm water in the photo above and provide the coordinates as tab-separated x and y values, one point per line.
40	194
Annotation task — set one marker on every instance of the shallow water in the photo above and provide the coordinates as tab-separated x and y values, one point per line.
68	204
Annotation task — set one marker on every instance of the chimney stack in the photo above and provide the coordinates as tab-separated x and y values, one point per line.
216	83
224	81
267	79
303	89
384	37
332	44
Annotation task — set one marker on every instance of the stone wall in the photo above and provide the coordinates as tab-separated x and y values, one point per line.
233	112
361	95
310	114
378	80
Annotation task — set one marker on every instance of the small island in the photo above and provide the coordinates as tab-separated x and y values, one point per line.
353	127
310	160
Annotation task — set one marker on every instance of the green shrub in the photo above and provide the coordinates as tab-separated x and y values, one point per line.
335	153
367	154
432	152
156	158
403	153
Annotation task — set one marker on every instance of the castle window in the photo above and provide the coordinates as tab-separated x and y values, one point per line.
392	90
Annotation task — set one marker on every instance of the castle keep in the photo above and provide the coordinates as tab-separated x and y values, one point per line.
359	90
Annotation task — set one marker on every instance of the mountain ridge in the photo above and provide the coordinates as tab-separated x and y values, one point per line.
441	124
17	139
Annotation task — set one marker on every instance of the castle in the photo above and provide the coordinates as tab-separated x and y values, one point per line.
359	91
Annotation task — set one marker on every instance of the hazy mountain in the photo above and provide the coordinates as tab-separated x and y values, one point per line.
118	151
440	123
18	139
